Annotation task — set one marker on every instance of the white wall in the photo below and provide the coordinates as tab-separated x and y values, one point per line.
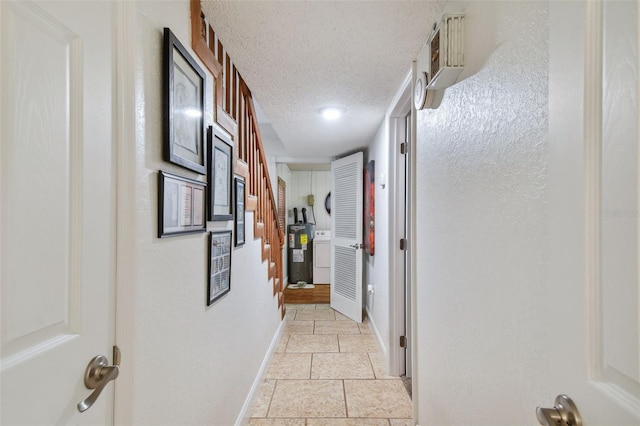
376	267
304	183
482	226
193	364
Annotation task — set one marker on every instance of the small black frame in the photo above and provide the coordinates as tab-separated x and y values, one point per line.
184	90
220	165
181	205
240	214
219	282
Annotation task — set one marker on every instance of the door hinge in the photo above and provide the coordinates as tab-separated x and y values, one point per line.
116	355
403	244
403	342
403	148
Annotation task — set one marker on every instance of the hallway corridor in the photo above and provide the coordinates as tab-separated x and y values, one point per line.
328	370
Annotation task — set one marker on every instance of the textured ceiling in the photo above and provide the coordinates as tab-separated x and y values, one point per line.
300	56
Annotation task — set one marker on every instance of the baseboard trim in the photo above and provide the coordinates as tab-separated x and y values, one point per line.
243	417
381	344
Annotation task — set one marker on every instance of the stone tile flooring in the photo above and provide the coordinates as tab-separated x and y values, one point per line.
328	370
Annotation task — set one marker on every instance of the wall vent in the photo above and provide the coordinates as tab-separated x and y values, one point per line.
446	52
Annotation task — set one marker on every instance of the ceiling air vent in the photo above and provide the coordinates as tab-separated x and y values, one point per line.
446	48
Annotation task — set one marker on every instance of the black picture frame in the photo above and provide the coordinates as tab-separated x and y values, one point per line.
184	90
219	282
181	205
220	175
239	192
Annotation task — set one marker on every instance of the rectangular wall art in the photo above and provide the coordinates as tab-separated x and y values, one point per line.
219	265
370	208
220	162
239	219
181	205
184	89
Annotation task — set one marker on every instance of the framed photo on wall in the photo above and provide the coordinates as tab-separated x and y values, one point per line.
239	219
220	164
181	205
184	89
370	207
219	265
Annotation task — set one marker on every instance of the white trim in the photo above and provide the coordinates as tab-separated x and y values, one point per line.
413	277
126	260
608	381
244	415
400	107
375	330
401	102
593	183
304	160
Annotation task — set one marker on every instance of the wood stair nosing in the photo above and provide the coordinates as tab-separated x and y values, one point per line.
273	273
258	230
252	203
241	168
266	253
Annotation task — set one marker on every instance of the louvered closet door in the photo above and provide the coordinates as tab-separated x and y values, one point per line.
346	242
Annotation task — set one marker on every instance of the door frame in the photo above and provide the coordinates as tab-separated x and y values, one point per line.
397	297
412	255
126	229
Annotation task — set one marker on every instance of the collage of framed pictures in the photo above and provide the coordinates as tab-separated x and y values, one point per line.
184	204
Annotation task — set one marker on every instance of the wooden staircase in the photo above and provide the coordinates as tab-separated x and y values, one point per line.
234	111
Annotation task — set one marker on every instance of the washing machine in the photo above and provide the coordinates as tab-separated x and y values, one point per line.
322	257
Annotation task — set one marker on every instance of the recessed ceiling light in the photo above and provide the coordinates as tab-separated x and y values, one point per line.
331	113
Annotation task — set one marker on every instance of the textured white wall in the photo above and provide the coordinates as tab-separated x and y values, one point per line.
193	364
482	225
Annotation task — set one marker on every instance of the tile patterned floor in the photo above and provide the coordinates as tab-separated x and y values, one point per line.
328	371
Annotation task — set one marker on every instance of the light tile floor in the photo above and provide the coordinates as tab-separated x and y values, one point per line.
327	370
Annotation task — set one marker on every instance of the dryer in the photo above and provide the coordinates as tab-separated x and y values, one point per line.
322	257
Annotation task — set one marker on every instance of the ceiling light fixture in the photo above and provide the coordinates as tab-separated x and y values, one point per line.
331	113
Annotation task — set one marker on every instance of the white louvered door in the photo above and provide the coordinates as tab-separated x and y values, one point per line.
346	241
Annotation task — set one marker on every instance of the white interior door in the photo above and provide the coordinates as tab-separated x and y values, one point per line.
346	237
57	224
594	209
403	215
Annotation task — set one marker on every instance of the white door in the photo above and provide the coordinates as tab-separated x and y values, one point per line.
346	239
403	216
594	209
400	289
57	231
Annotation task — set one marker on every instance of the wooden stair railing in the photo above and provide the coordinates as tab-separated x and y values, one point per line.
234	111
